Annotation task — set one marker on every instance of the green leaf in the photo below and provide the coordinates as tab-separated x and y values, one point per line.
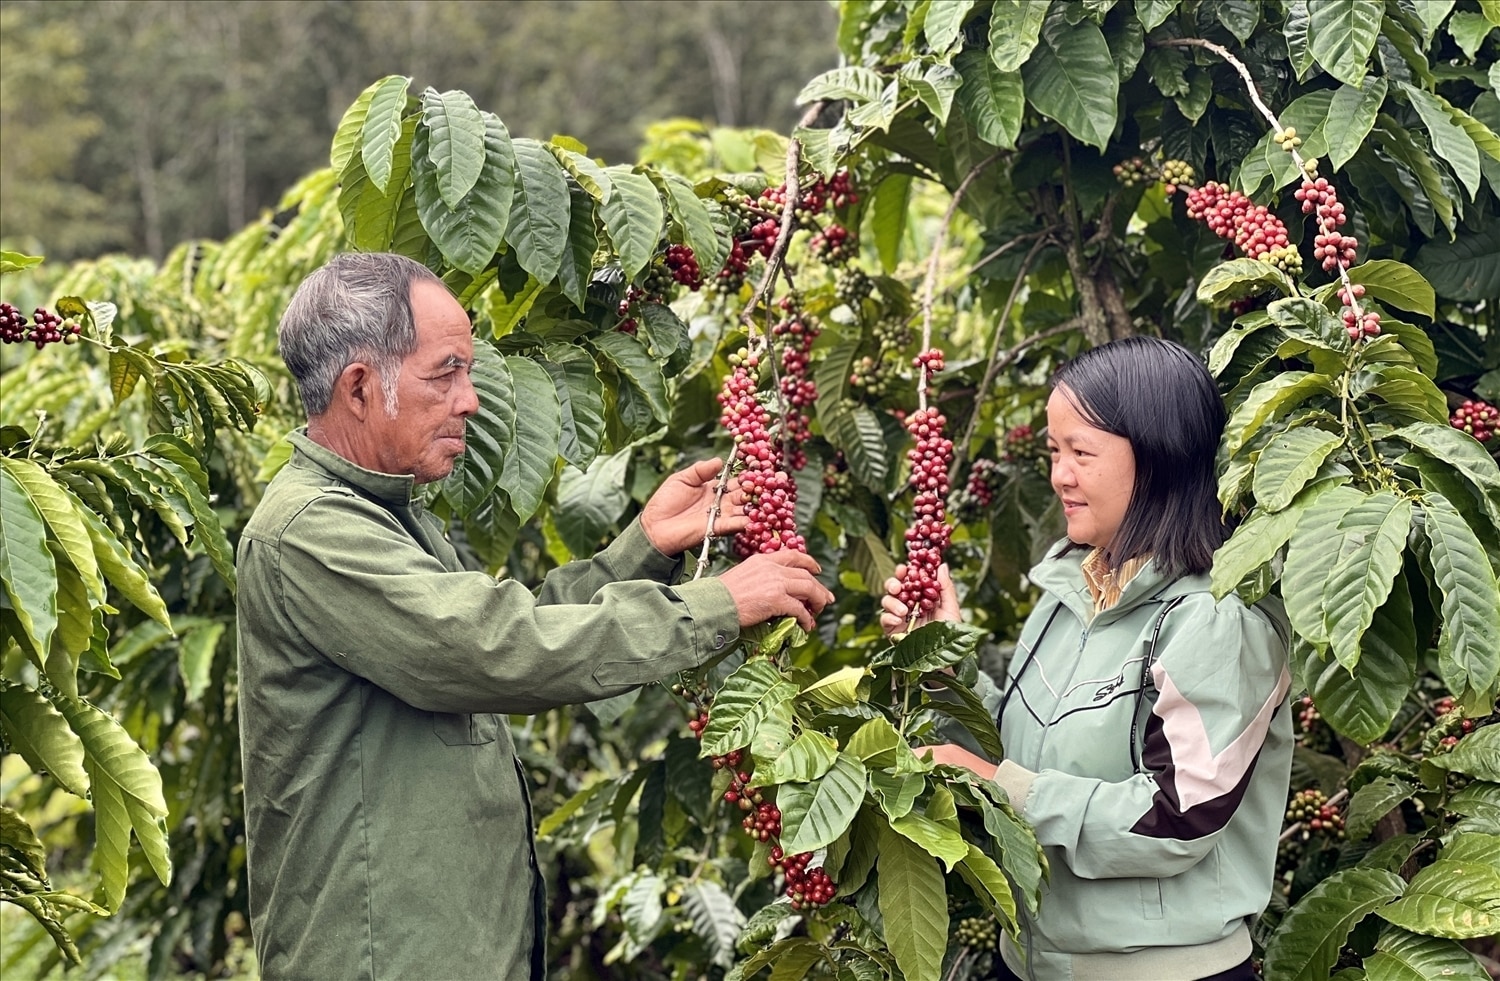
1270	400
1306	945
1469	644
855	431
1372	802
1240	17
577	263
1315	548
1310	321
1071	78
808	757
1224	349
939	841
1288	462
1403	956
846	686
382	131
28	570
1415	155
1295	29
944	22
589	502
746	697
888	219
488	434
1477	754
195	659
60	510
456	143
1154	13
16	261
989	884
1239	278
1408	392
914	904
1015	28
854	83
1450	142
1469	30
992	100
814	814
1361	580
34	728
111	857
689	211
637	369
530	459
1341	36
1021	856
878	114
1431	14
1467	268
1362	704
540	212
896	792
877	743
207	531
1396	284
1458	899
715	918
122	571
665	332
581	394
935	86
349	134
1352	115
468	234
969	710
932	647
633	215
590	176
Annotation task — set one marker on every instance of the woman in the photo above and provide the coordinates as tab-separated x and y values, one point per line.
1147	734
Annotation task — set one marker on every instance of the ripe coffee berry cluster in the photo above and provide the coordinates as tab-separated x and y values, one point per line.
684	266
1477	418
1366	324
807	888
1257	232
978	492
763	823
628	324
47	328
797	333
928	536
1331	247
736	267
770	492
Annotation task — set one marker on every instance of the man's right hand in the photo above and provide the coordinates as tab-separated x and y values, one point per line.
777	584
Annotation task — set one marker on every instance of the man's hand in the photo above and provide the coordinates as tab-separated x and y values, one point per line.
895	615
677	514
777	584
957	756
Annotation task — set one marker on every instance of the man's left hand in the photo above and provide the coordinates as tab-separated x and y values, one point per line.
677	515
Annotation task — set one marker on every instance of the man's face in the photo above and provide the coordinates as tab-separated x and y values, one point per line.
434	393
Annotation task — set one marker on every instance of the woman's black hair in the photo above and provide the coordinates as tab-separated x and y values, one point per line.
1158	395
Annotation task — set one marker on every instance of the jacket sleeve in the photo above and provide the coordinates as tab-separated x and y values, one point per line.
365	595
1221	675
630	556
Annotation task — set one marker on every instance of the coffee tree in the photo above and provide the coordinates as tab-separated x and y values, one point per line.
860	319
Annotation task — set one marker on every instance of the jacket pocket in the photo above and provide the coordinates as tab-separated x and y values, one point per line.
1151	904
465	730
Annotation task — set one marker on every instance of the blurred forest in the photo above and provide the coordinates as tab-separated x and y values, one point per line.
137	124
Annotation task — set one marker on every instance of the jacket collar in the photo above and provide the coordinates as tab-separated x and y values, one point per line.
392	490
1062	576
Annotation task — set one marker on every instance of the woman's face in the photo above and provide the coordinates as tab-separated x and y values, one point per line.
1092	472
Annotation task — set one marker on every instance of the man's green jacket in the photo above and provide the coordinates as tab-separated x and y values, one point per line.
389	828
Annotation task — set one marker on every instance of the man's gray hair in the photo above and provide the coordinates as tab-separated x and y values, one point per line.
357	307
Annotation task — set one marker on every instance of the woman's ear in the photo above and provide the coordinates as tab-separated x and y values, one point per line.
357	388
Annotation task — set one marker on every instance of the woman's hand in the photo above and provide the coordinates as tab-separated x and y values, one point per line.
957	756
896	616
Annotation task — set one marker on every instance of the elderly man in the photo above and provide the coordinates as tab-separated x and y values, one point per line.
388	822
